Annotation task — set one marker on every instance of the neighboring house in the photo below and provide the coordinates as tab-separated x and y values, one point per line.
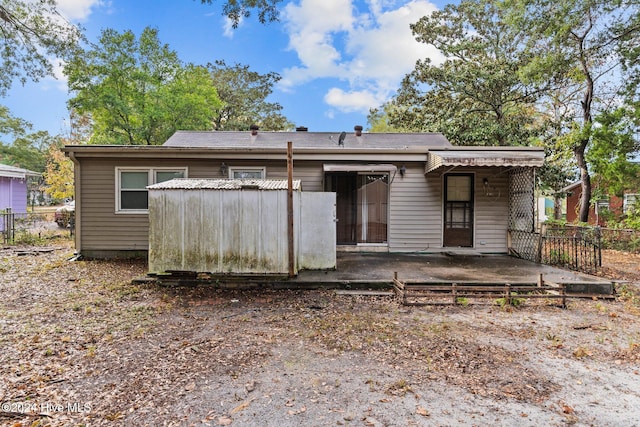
618	206
13	188
395	192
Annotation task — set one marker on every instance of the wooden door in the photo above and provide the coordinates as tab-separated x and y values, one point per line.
458	210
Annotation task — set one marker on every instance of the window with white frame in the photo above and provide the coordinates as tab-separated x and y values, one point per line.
247	172
131	183
630	202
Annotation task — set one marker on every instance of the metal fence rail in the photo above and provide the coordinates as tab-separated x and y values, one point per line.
573	247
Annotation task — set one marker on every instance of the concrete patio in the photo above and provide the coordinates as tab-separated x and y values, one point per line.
362	269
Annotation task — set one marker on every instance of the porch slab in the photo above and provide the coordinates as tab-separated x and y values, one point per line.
360	269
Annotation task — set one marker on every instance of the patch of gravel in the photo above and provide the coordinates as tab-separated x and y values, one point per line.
79	344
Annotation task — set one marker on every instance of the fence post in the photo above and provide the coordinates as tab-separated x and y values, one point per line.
454	293
507	296
599	243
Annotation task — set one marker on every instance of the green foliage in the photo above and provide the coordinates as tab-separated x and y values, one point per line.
236	10
612	150
22	148
31	33
244	95
475	97
137	91
575	45
510	302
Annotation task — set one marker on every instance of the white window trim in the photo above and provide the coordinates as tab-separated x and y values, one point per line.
151	177
261	169
629	202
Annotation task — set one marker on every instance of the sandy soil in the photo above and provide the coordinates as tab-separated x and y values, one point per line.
80	345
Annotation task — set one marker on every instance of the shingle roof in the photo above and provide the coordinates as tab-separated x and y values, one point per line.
301	140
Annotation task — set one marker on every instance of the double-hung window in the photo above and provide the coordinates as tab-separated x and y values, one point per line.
131	183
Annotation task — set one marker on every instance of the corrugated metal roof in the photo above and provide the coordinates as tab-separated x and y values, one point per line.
301	140
486	157
225	184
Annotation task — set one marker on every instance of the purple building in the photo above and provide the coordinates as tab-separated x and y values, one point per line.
13	188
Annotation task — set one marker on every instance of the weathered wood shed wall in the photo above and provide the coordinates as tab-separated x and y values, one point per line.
236	227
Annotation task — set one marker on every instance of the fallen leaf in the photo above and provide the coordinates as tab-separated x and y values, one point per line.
567	409
422	411
241	407
225	421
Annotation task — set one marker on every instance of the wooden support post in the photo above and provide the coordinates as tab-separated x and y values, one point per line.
290	208
564	296
507	294
540	281
454	292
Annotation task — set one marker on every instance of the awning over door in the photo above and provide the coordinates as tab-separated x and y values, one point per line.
525	157
359	168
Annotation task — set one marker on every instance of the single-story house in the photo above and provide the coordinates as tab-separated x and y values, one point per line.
395	192
13	188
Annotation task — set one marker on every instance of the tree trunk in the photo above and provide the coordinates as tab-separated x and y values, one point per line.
585	197
557	207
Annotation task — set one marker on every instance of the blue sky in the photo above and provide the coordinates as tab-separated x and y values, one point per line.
337	58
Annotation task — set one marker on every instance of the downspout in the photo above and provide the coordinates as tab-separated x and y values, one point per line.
78	199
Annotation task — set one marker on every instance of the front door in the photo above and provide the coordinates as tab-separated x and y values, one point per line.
458	210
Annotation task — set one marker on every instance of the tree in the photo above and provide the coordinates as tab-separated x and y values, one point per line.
238	9
59	172
582	42
244	93
137	91
476	96
613	149
30	33
24	149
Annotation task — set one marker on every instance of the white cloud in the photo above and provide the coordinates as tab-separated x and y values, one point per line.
58	81
350	102
228	29
369	50
78	10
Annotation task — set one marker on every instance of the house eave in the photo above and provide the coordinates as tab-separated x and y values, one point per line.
267	153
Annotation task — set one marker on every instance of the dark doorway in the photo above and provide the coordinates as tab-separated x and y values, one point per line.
458	210
361	206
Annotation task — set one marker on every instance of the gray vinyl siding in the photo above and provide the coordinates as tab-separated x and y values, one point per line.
102	229
491	211
415	219
415	212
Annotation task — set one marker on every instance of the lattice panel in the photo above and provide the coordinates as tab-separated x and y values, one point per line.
521	199
523	241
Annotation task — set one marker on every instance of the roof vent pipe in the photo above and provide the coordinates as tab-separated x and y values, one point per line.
358	130
302	129
254	129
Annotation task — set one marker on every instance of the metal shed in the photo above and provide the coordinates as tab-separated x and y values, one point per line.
238	226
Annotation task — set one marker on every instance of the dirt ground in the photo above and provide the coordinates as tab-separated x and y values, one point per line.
81	345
